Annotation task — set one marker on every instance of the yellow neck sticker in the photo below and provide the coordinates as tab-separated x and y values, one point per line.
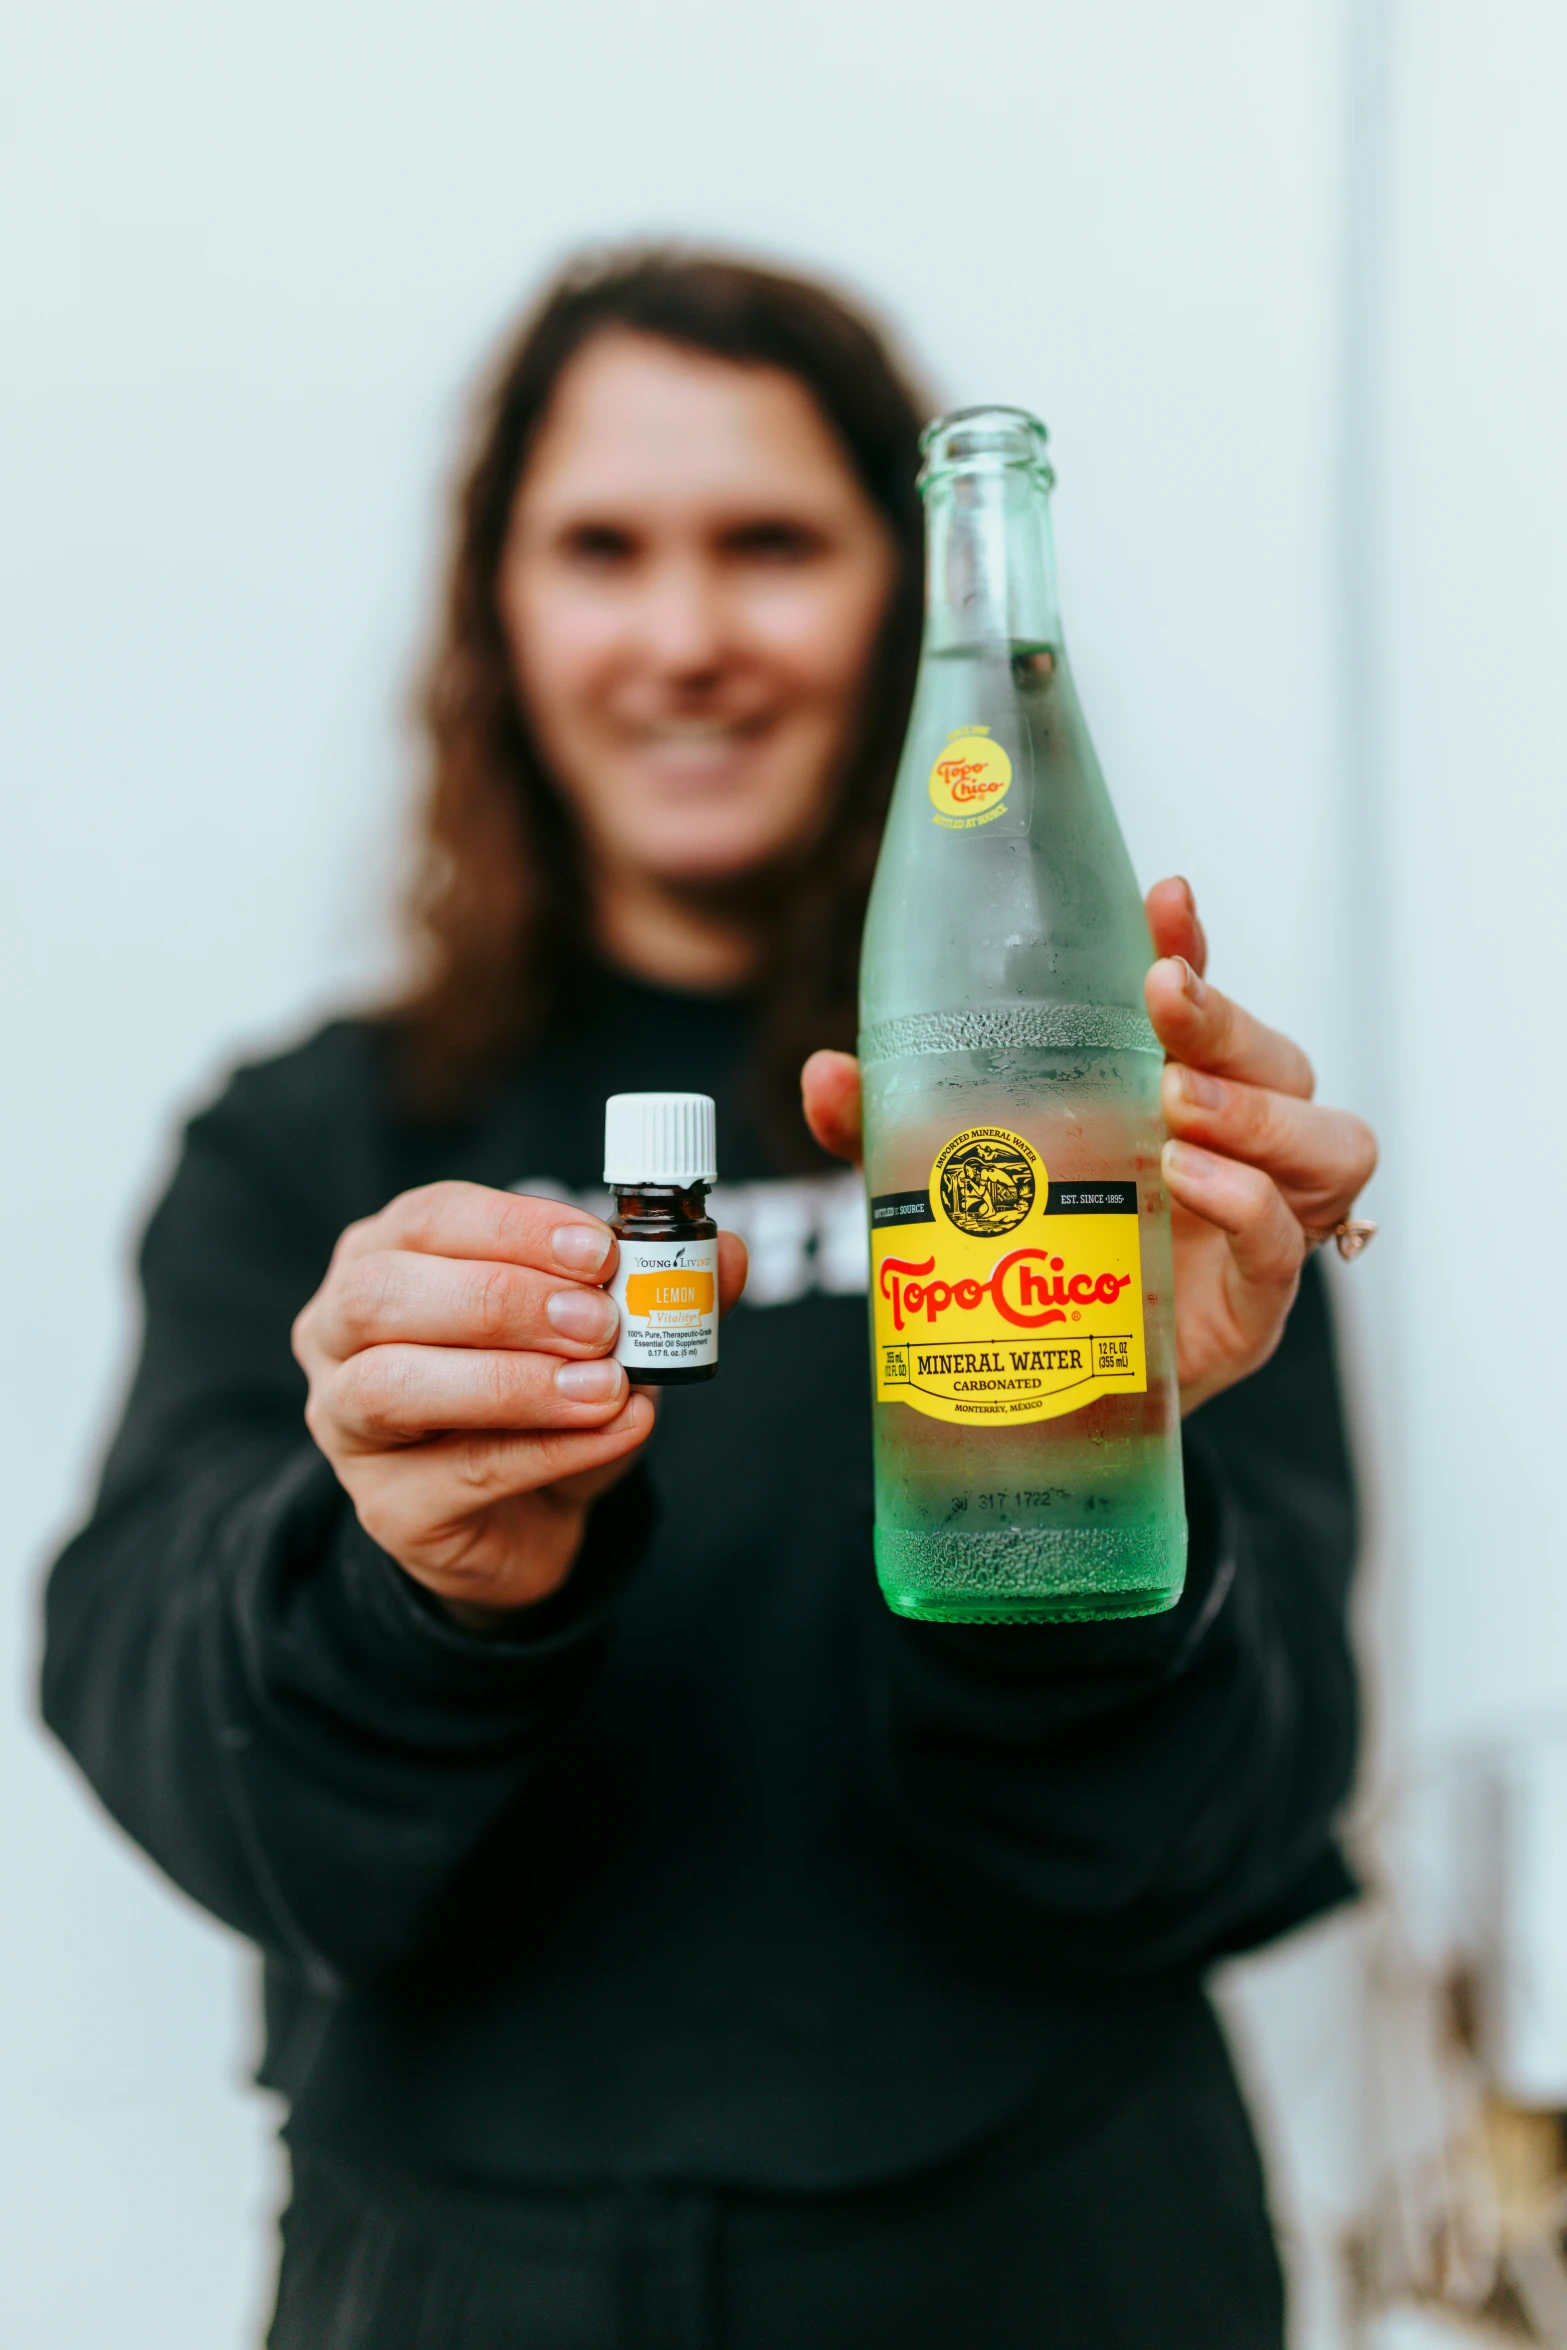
968	784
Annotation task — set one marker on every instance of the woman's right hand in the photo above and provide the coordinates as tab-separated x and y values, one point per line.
461	1387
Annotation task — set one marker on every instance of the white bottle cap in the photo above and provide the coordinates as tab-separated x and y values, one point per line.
659	1138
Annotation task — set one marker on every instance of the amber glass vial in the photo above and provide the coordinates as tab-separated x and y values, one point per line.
659	1159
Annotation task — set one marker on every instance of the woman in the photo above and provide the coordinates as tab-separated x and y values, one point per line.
663	1942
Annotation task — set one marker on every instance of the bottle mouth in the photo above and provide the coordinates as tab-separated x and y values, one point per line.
985	440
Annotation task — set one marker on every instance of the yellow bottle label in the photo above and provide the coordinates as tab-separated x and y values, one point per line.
999	1295
968	784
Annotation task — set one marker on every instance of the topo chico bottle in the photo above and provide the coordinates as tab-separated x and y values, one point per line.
1022	1319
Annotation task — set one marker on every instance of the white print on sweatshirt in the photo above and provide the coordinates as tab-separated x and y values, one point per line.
806	1233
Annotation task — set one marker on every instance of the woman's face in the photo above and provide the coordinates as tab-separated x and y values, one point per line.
692	586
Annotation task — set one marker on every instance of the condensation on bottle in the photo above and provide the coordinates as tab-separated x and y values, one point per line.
1027	1443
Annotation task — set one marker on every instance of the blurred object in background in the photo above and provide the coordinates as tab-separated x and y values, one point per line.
1467	2039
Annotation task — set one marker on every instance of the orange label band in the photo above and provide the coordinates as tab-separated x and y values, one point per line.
669	1293
999	1295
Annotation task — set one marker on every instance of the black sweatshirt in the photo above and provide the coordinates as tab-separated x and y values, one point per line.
710	1869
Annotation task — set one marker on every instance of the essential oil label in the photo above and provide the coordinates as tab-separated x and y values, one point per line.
999	1295
667	1292
969	781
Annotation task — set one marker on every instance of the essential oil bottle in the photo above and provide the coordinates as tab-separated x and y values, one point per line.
659	1159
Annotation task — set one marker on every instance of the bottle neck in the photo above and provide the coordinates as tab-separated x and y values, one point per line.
663	1207
990	560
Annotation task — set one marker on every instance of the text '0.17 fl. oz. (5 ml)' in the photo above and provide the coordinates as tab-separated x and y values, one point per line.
1023	1334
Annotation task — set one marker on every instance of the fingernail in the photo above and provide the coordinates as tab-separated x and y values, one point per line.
1179	1158
586	1314
1205	1092
1191	895
581	1248
589	1382
1191	986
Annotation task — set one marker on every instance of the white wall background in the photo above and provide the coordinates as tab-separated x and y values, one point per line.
1477	771
250	261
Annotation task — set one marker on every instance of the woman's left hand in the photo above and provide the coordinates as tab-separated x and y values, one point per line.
1252	1160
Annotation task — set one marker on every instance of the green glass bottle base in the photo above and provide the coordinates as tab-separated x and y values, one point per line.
1032	1574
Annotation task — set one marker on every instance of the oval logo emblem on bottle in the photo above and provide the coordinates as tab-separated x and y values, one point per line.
986	1180
968	783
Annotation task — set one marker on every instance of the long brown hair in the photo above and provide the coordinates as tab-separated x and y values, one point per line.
498	903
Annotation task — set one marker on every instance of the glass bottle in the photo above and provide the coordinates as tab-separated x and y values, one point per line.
659	1161
1026	1414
